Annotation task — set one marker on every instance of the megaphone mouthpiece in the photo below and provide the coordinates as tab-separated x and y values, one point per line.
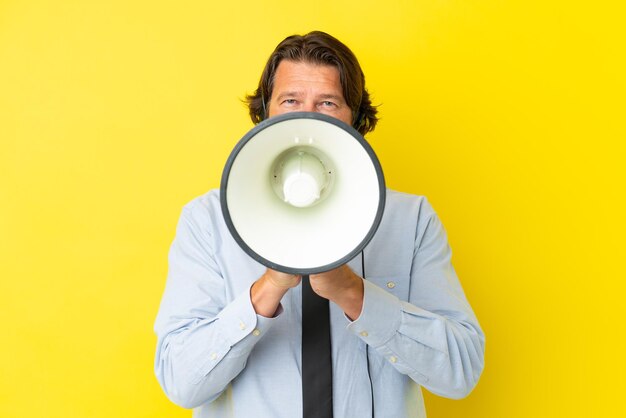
303	176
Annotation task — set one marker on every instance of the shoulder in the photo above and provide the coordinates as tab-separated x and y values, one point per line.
204	204
414	213
203	210
416	207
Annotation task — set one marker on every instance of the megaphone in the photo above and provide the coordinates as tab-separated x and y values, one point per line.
302	193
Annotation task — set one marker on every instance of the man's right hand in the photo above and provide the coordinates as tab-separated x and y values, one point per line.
267	292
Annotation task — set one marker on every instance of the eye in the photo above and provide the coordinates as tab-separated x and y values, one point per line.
289	101
327	103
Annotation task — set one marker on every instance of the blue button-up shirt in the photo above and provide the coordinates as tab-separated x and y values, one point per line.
416	328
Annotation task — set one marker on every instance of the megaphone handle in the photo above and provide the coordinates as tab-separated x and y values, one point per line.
317	393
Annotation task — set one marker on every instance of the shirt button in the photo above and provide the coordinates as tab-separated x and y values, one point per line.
364	333
242	326
256	332
213	356
391	285
393	359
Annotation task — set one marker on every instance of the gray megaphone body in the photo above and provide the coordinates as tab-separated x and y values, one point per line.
302	193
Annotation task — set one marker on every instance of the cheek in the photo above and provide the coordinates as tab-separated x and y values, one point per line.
273	111
345	116
276	109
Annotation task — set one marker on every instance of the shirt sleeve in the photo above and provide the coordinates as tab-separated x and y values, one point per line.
203	339
434	337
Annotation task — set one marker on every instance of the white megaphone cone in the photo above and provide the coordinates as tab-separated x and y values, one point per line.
302	193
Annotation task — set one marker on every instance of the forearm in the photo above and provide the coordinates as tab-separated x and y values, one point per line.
442	353
197	358
267	292
191	377
350	300
341	286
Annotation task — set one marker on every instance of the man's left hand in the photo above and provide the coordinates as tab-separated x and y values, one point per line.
341	286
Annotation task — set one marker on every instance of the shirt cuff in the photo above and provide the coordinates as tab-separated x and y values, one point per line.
241	326
380	317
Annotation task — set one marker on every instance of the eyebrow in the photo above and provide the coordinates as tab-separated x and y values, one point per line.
288	94
331	96
298	94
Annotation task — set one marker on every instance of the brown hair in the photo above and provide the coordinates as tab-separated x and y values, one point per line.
318	48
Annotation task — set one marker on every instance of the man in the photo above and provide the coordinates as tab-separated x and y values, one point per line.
229	329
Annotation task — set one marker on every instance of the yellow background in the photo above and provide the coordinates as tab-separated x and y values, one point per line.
508	115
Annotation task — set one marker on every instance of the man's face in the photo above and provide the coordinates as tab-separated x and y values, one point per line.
305	87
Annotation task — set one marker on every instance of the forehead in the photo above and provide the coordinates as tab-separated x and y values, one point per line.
304	75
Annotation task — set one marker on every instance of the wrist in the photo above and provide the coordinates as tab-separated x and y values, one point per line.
351	299
265	295
277	281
